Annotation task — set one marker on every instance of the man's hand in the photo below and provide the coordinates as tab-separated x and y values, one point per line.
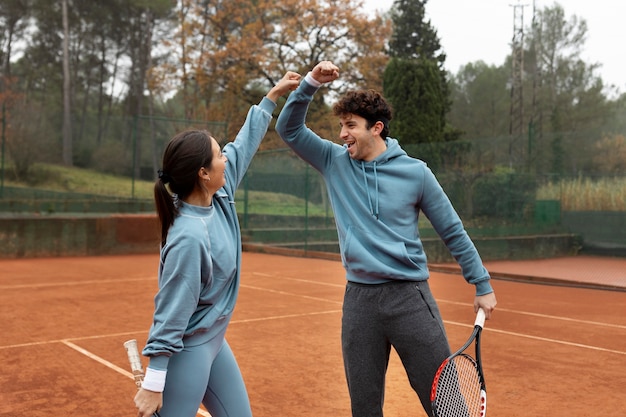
487	302
325	72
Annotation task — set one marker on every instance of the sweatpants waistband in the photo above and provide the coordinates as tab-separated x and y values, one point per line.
384	284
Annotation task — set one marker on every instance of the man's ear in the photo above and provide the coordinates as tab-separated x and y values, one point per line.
378	127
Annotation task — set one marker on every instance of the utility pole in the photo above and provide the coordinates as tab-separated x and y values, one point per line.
516	127
67	116
535	125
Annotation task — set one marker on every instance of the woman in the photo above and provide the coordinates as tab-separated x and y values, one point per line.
190	360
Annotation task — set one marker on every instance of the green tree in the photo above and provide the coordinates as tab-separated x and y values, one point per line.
566	80
417	99
413	36
14	16
415	81
566	92
617	121
481	100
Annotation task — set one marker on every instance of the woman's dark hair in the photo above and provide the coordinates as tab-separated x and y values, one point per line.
369	104
183	157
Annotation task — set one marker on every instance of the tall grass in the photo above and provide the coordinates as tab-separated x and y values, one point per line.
587	194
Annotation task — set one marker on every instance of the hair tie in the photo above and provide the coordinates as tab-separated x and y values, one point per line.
163	176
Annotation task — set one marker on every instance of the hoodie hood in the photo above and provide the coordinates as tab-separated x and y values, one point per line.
393	151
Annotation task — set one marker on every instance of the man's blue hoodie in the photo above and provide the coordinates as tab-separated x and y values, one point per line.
377	204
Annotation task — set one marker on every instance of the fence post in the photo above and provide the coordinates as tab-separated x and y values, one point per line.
3	140
135	127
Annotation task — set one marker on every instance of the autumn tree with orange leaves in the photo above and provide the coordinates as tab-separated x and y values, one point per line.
224	55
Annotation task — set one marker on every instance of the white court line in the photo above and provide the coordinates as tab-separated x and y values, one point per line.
542	339
308	297
544	316
98	359
308	281
71	338
112	366
499	331
287	316
67	283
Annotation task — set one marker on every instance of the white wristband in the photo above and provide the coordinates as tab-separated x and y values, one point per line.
309	79
154	380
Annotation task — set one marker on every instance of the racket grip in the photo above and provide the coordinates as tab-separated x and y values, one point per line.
135	364
480	318
135	361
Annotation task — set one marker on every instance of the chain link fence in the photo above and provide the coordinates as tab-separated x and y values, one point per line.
561	184
557	184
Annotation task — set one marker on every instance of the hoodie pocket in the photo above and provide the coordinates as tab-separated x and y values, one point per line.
365	253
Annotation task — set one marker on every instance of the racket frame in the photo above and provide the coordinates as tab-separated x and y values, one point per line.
479	323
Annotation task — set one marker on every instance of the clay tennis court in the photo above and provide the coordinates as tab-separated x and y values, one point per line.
550	350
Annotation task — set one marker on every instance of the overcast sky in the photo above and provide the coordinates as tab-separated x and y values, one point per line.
472	30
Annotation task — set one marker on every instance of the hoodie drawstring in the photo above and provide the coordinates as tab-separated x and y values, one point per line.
373	211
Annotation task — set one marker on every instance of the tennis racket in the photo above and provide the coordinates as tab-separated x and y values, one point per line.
135	364
458	388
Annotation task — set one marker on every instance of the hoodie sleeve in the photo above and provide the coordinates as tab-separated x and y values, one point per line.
177	298
292	129
241	151
437	207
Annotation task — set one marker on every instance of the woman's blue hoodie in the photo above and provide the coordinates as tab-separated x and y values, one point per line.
377	204
200	262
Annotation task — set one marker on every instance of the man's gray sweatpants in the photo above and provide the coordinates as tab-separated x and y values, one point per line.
401	314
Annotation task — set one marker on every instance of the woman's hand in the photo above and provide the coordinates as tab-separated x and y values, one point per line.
147	402
289	82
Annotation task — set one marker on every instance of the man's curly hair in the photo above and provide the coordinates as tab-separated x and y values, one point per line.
369	104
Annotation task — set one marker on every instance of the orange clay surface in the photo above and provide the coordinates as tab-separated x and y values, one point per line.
548	351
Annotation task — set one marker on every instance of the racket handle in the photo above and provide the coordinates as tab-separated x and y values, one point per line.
480	318
135	364
135	361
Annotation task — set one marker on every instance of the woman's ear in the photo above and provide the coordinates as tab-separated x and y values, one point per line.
203	173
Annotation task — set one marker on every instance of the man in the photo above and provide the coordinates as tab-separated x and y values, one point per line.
377	192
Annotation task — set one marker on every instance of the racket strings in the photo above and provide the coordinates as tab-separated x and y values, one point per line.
458	392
